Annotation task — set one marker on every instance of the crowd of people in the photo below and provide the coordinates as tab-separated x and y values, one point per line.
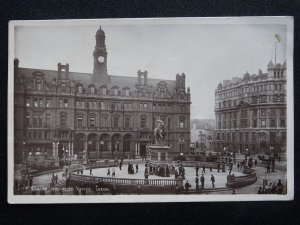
271	188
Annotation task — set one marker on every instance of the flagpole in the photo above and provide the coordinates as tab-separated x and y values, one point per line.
275	49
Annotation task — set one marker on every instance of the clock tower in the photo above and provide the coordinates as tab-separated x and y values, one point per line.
100	58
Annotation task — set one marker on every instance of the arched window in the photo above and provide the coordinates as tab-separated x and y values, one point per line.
79	121
104	121
127	123
127	92
116	121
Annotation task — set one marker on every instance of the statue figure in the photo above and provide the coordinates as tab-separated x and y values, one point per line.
159	130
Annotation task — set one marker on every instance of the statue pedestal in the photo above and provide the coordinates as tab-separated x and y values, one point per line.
159	152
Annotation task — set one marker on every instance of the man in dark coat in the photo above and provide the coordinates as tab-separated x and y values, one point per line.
197	183
212	180
202	181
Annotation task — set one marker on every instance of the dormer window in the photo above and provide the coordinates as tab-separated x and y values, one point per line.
80	89
92	89
104	91
116	92
127	92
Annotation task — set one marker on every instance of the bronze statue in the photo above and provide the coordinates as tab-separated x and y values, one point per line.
159	130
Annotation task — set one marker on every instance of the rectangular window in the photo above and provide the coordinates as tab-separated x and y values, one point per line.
102	105
61	103
104	91
27	119
263	123
253	137
27	102
244	114
263	112
246	137
282	123
41	102
154	107
63	121
282	112
263	98
79	122
66	103
48	103
77	104
145	106
80	89
35	102
141	106
83	104
243	123
273	123
254	111
273	112
254	123
126	92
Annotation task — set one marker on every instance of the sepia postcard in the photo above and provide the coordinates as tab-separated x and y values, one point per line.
151	110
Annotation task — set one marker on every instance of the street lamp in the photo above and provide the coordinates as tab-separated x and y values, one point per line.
181	142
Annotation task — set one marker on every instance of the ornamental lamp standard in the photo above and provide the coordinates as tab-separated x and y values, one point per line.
181	143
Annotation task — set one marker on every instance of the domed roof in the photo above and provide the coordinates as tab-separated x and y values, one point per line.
100	31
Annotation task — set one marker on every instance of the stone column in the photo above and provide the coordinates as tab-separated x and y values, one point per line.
158	156
69	149
72	150
54	149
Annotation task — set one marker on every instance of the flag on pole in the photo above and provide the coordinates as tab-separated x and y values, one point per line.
277	37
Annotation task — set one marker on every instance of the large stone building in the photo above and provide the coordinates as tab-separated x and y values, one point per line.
251	112
60	113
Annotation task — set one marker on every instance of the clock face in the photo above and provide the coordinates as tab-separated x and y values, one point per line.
101	59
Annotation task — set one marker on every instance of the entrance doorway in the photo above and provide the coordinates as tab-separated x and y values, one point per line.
263	146
143	149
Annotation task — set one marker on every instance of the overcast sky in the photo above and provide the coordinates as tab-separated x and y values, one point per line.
207	54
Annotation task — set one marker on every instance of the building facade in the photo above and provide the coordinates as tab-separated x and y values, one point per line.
59	113
251	112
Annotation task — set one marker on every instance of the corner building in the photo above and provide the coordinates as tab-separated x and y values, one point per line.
251	112
60	113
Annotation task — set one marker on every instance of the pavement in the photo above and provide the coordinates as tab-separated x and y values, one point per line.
43	181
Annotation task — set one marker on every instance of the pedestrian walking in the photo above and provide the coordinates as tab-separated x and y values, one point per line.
238	166
136	168
197	169
108	172
113	174
197	183
268	168
91	170
212	178
203	169
230	168
218	167
120	164
202	181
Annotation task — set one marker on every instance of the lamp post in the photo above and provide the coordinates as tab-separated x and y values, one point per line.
181	142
